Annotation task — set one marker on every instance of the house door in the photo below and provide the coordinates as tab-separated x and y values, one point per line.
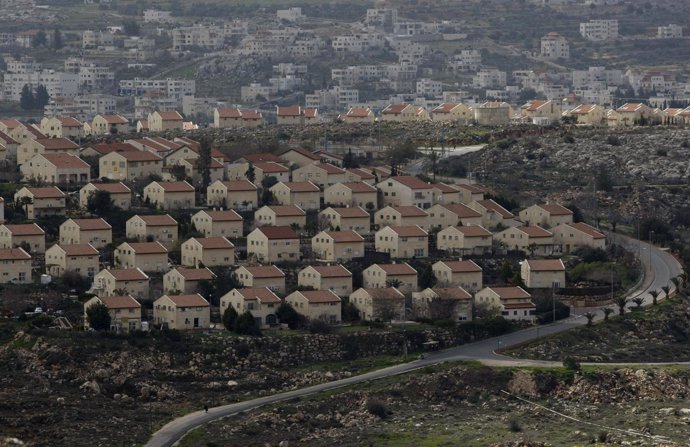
196	322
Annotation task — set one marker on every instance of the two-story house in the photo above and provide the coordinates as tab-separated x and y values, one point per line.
351	194
466	274
147	256
96	232
170	195
316	305
208	252
182	312
158	227
347	219
400	275
262	276
465	240
261	302
337	245
406	190
274	244
219	223
403	242
186	281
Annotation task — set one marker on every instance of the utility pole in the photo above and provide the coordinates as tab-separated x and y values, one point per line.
553	299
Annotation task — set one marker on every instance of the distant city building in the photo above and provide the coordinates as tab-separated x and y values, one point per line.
157	16
669	32
598	30
554	46
290	15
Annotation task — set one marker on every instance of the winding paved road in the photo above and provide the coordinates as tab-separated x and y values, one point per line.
659	265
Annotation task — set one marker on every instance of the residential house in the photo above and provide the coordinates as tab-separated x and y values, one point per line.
96	232
464	240
147	256
281	216
142	126
219	223
543	273
397	216
121	282
124	311
15	265
233	194
534	240
258	157
62	127
335	278
156	145
170	195
346	219
41	202
403	242
493	214
443	216
406	190
351	194
379	304
182	312
404	113
262	276
321	174
470	193
208	252
31	148
588	115
233	118
274	244
261	302
153	228
542	112
120	194
300	157
306	195
356	175
356	115
129	165
442	303
109	125
99	149
548	215
445	194
337	245
186	281
322	305
162	121
400	275
57	169
262	170
571	236
216	169
30	237
492	113
465	274
633	114
513	303
452	112
296	115
79	258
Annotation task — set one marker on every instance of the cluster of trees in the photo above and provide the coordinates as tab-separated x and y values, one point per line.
41	40
30	100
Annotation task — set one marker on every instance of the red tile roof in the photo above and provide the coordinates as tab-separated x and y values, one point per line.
509	293
262	294
583	109
329	168
13	254
195	274
182	186
112	188
214	243
546	265
157	220
331	271
310	113
170	116
51	192
139	156
397	269
555	209
630	107
57	144
286	210
25	229
491	205
474	189
409	231
79	250
68	121
300	186
409	211
344	236
452	293
462	211
535	231
115	119
143	248
117	146
120	302
92	224
359	112
224	216
462	266
303	152
320	296
239	185
473	231
65	161
270	167
354	211
446	107
278	232
195	300
128	274
289	111
361	173
411	182
359	187
270	271
385	293
588	229
394	109
445	188
229	112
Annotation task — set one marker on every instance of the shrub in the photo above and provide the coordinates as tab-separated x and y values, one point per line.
661	152
247	325
242	349
229	318
377	408
514	426
98	317
613	140
571	364
319	327
568	138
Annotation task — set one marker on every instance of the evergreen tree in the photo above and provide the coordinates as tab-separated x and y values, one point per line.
245	324
506	271
40	39
229	318
98	317
427	278
204	162
27	100
57	39
250	174
42	97
100	203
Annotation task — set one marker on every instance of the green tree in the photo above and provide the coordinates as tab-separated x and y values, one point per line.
349	160
654	294
42	98
40	39
666	290
130	27
246	324
27	101
57	39
400	154
287	314
639	301
251	173
100	203
427	278
590	318
204	162
229	318
506	271
179	172
98	317
268	182
607	311
621	302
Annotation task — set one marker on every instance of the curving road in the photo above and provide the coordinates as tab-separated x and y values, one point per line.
659	265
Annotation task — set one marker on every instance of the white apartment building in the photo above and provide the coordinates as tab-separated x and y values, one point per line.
175	88
467	60
57	83
554	46
157	16
598	30
429	87
669	32
204	36
290	14
490	78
